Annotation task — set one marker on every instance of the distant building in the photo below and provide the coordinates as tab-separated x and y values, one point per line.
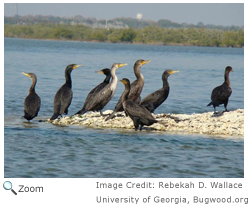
139	16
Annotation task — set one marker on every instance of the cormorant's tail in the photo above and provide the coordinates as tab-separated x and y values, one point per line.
55	115
211	103
81	112
110	116
153	121
27	116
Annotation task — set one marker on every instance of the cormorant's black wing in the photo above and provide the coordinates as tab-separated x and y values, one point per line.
221	93
92	95
135	91
135	110
154	97
101	98
32	105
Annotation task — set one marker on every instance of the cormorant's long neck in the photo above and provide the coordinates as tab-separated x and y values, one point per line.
32	88
226	76
114	78
125	94
68	78
139	76
106	80
165	82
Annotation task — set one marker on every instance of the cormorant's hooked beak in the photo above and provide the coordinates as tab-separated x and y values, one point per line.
120	65
232	70
99	72
28	75
172	72
123	81
144	62
76	66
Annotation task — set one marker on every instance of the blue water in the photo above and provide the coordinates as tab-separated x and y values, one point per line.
38	149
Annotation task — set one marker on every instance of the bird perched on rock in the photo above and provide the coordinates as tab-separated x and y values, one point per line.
102	97
220	94
64	95
139	114
92	97
136	88
155	99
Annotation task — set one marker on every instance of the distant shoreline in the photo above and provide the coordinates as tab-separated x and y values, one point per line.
150	35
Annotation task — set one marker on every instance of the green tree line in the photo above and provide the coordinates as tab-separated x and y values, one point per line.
146	35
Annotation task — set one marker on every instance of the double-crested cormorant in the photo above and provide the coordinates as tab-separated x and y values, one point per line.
101	98
63	97
32	101
221	94
139	114
155	99
89	104
136	88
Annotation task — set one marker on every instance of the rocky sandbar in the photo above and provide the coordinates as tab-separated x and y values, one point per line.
224	123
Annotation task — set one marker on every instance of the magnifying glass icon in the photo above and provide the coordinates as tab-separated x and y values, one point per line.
8	186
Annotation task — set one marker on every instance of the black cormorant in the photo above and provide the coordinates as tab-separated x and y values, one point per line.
102	97
136	88
139	114
155	99
221	94
32	101
92	94
63	97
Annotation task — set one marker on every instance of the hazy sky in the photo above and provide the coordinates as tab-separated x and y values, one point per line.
215	13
